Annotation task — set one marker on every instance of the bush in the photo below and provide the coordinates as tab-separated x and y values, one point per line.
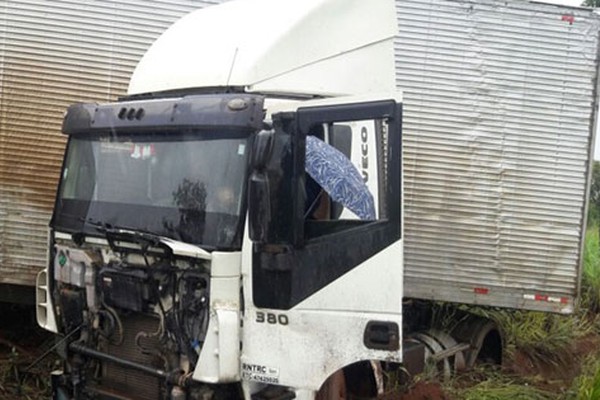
545	339
497	385
590	285
594	199
587	385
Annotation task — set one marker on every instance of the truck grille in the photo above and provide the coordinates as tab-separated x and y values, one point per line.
128	382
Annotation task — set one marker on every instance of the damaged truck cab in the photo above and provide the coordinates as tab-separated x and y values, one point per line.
234	225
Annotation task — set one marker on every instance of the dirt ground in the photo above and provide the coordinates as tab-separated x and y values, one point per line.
420	391
22	342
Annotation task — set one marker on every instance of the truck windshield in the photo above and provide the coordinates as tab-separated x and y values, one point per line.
186	186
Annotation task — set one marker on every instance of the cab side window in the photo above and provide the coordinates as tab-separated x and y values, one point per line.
344	173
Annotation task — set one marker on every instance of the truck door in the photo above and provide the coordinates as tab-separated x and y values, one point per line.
323	265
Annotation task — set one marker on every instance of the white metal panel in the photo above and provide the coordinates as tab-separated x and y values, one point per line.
270	46
497	103
52	54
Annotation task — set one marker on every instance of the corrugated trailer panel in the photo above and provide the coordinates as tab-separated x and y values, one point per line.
53	54
497	134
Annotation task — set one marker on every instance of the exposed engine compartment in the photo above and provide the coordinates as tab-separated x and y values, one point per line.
130	301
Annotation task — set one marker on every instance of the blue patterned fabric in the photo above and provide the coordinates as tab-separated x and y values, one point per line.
339	178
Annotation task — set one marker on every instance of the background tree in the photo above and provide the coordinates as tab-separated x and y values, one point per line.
591	3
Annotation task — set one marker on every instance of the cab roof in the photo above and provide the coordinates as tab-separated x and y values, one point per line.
287	47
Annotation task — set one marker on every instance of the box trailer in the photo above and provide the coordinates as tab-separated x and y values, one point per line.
263	215
500	104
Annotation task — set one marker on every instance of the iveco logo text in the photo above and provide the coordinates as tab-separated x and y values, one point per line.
364	150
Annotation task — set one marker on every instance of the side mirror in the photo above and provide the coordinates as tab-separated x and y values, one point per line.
259	195
261	152
273	185
259	207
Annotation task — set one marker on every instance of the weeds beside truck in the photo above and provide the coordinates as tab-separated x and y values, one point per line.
498	117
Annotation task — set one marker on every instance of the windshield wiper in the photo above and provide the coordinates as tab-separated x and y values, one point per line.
114	233
147	240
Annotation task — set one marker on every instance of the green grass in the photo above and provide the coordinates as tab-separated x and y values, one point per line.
590	285
545	339
486	383
587	385
493	389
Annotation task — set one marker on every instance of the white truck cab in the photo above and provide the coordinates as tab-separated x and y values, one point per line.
233	227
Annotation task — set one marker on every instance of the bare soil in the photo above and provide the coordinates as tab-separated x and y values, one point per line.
419	391
560	374
22	342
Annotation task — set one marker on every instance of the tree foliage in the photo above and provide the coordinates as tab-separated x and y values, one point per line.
591	3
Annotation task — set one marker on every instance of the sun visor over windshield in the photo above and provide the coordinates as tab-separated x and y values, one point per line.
207	111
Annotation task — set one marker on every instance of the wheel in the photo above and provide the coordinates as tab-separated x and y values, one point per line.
362	380
334	388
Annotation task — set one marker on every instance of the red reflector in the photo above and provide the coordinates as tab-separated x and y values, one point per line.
568	18
540	297
564	300
481	290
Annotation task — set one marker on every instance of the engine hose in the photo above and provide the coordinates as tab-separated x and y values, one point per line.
144	335
114	314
